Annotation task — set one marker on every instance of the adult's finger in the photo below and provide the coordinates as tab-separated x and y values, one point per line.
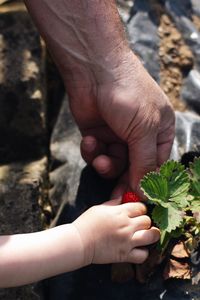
91	148
108	166
109	160
165	142
114	162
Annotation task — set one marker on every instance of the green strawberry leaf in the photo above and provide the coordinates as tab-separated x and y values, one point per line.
155	187
169	168
178	181
195	205
168	219
174	194
170	185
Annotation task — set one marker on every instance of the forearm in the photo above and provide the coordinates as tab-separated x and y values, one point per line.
26	258
86	37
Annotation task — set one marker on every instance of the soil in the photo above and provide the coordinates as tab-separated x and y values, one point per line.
10	7
176	60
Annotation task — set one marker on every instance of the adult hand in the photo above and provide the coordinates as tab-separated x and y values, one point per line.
126	123
124	117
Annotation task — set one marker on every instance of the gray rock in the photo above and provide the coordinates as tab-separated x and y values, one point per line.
191	90
20	191
22	86
179	7
66	161
124	8
195	7
181	13
187	134
65	138
144	40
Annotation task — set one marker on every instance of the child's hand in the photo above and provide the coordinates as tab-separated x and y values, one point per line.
113	233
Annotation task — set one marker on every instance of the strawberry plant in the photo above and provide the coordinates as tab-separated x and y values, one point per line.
174	193
174	198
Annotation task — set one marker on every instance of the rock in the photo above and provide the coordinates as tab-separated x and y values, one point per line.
181	13
20	191
144	40
65	157
179	8
191	90
22	88
187	138
195	7
65	138
186	58
124	8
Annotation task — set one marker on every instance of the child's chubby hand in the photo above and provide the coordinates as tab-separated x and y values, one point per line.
112	233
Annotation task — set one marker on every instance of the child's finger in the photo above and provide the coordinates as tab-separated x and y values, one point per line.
145	237
138	256
113	202
141	223
134	209
121	187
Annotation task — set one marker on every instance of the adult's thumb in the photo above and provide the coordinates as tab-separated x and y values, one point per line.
143	159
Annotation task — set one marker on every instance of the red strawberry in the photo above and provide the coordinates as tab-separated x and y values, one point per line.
130	197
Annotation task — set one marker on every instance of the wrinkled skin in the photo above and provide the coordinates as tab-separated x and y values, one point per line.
126	124
126	120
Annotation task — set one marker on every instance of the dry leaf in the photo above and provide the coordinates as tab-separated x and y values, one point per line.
177	269
179	251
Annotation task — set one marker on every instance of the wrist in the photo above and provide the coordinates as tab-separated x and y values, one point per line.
86	38
86	240
73	237
112	68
